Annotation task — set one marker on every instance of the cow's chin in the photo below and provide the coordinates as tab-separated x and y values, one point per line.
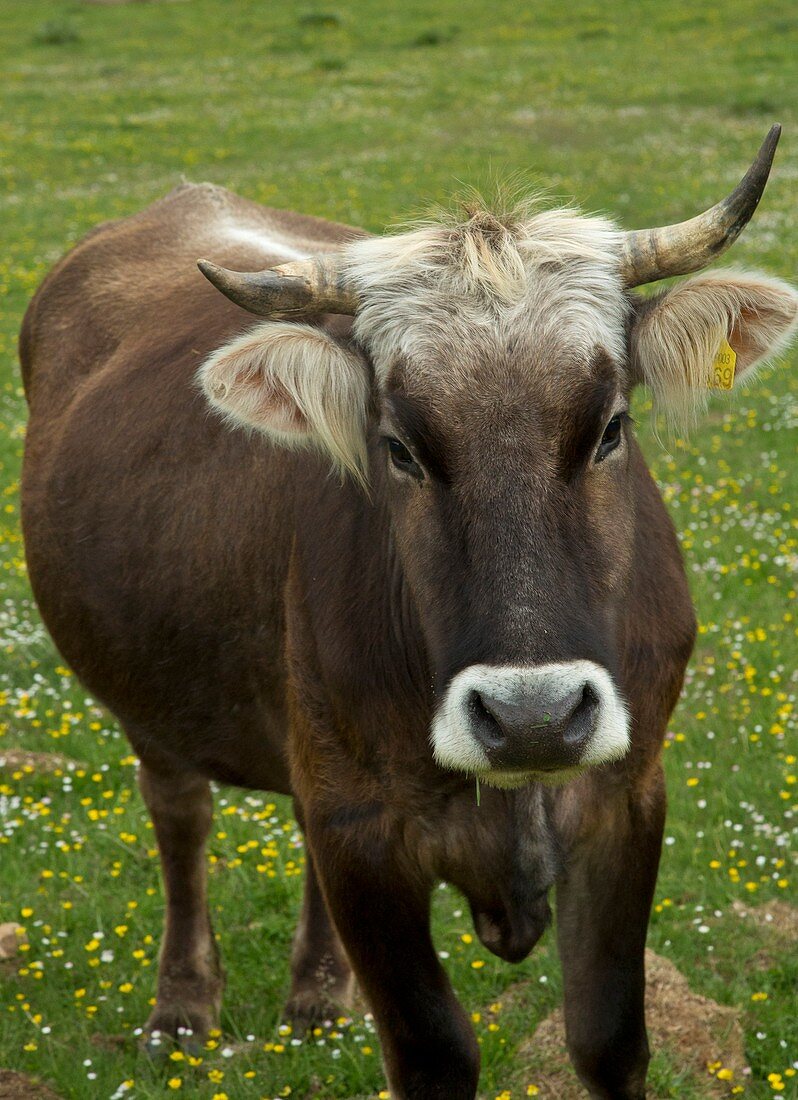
511	780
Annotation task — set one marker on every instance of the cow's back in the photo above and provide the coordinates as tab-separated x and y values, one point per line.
157	539
134	280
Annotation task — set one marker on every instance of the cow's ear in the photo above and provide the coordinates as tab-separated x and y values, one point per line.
677	336
297	385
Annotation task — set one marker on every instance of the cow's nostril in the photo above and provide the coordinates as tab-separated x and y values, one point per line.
581	721
486	725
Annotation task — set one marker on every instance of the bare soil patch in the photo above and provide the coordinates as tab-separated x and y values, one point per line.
16	1086
36	763
693	1030
777	917
11	936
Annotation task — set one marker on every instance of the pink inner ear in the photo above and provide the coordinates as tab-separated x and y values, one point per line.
744	339
753	335
274	406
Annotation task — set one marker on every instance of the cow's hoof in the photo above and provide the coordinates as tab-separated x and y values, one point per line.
304	1011
177	1026
325	993
311	1007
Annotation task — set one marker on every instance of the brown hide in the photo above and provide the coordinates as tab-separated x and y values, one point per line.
244	615
174	532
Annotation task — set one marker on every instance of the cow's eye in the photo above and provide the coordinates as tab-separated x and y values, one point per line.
402	459
611	438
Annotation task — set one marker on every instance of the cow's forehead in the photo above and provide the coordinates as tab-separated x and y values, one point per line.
455	302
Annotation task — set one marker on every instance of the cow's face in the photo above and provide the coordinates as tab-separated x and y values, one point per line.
503	425
490	383
513	512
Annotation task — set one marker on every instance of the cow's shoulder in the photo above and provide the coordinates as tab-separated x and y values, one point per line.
132	285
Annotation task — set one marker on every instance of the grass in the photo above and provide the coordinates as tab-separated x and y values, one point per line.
365	113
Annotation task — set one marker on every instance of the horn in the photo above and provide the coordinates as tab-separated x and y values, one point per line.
291	290
651	254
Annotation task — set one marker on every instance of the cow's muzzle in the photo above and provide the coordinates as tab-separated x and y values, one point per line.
509	724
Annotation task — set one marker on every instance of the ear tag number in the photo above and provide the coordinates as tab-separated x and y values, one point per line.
723	367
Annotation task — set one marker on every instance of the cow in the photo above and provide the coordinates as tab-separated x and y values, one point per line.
395	552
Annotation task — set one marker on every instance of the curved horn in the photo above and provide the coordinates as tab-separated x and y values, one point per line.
295	289
651	254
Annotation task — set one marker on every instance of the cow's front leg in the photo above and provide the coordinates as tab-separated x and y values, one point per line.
321	978
603	906
381	909
190	978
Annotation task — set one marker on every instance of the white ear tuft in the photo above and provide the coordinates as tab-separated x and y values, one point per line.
297	385
678	334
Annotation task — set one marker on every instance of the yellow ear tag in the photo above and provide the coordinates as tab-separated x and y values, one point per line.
723	367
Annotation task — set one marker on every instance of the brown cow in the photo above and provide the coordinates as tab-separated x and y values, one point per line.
495	592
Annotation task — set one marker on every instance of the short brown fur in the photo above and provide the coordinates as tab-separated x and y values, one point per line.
252	620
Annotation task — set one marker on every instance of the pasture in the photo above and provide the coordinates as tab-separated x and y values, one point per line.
368	113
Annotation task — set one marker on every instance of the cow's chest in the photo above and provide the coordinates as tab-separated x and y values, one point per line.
504	855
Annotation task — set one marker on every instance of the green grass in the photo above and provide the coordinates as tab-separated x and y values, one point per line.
366	113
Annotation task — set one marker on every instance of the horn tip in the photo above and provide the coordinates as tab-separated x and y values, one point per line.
215	275
771	141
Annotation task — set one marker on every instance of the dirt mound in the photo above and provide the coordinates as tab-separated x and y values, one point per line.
691	1029
777	917
11	936
36	763
16	1086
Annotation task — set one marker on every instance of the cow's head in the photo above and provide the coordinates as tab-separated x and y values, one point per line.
493	358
